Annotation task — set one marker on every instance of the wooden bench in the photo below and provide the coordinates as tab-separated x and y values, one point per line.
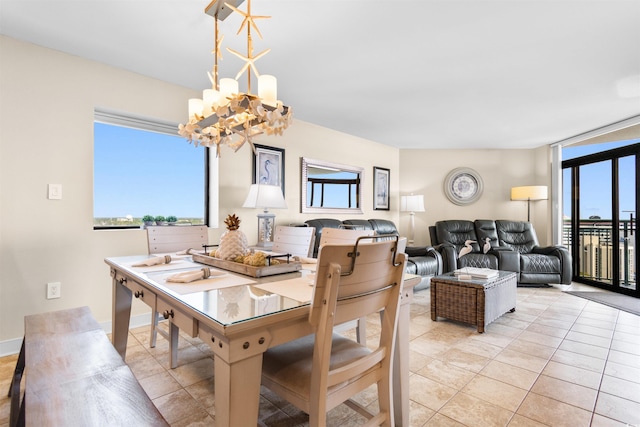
74	376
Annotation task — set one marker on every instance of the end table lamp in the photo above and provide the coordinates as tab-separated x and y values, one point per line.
265	197
412	204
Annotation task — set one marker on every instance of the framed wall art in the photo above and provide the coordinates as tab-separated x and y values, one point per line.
268	166
381	185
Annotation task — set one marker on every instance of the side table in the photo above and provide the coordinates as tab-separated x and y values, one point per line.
477	302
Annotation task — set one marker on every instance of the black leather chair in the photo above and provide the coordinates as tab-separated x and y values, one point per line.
551	264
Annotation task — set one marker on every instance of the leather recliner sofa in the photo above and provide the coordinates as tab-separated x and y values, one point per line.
513	247
424	261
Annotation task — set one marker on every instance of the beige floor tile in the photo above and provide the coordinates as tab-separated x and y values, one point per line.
522	360
618	409
194	372
203	392
579	360
519	377
600	421
563	391
585	349
472	411
553	412
159	384
496	392
621	388
626	347
625	336
626	359
447	374
593	330
585	338
572	374
520	421
547	330
621	371
541	339
462	359
428	392
418	414
439	420
531	348
177	406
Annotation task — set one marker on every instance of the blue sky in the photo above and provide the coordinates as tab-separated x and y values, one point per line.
595	182
138	172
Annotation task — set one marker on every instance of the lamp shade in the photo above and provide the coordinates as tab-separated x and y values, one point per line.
531	192
412	203
265	196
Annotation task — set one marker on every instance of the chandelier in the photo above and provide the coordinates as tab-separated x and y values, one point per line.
224	115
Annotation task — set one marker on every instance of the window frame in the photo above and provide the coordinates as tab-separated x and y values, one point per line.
117	118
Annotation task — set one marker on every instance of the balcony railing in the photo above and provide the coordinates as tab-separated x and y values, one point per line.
596	248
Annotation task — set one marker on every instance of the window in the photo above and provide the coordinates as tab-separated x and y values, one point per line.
143	168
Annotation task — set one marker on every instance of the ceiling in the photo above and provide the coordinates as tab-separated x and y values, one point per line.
406	73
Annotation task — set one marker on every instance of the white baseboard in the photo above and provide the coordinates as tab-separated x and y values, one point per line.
12	346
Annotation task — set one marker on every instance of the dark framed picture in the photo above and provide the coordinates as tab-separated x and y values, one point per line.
380	189
268	166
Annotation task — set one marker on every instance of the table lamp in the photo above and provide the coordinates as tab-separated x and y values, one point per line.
412	204
529	193
265	197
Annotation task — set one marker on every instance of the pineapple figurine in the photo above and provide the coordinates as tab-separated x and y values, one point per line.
233	242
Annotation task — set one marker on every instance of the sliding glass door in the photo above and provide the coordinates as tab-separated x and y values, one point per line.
600	205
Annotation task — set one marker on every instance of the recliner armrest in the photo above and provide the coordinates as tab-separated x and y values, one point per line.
563	255
415	251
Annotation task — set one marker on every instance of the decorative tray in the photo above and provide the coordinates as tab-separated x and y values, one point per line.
248	270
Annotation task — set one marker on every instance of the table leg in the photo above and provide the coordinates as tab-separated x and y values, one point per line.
120	317
401	362
237	391
174	333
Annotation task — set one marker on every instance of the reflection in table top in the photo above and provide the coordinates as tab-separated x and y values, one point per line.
231	304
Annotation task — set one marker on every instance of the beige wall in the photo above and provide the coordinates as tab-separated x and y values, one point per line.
47	100
424	171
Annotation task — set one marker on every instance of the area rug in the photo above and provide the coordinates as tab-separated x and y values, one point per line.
619	301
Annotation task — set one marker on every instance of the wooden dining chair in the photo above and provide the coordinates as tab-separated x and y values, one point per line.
167	240
318	372
345	236
296	241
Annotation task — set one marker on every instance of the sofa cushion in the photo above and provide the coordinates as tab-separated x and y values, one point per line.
457	232
486	228
517	235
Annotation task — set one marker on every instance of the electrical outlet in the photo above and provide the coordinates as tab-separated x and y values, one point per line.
53	290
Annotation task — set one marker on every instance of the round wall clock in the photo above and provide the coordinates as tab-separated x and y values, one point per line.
463	186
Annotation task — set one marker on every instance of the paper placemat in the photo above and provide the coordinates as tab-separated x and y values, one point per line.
310	267
224	281
175	264
298	289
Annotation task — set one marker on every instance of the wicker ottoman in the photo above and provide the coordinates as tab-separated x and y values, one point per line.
478	302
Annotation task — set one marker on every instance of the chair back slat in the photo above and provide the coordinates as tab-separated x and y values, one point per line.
166	239
298	241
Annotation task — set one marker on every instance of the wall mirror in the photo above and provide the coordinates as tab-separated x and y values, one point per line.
329	187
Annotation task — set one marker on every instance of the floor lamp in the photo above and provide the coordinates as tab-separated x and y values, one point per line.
412	204
265	197
529	193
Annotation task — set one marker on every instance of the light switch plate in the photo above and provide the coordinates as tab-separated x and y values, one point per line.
55	191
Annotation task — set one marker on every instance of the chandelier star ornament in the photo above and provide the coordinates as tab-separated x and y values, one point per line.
226	116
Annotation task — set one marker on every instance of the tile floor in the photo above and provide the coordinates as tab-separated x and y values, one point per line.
559	360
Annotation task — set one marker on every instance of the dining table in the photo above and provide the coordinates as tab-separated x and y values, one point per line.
239	317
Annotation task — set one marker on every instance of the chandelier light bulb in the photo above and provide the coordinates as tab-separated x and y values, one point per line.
228	88
268	89
210	100
195	109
